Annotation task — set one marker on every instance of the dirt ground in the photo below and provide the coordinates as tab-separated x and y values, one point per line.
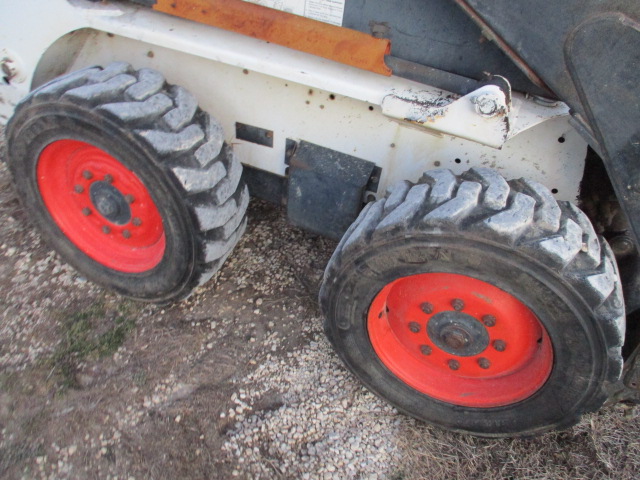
237	381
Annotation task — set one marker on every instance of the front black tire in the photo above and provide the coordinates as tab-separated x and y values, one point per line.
511	235
159	144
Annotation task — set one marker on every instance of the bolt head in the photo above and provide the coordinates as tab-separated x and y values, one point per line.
488	105
86	211
426	307
78	188
484	363
457	304
136	222
499	345
129	198
106	229
126	234
108	178
453	364
489	320
414	327
87	174
425	350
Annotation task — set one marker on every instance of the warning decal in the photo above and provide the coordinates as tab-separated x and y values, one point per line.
328	11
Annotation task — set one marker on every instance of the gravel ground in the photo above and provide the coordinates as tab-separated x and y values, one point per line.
237	381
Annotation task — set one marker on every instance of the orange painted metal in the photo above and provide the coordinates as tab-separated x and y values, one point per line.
328	41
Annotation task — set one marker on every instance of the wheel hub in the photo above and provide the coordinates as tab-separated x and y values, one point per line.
458	333
101	206
459	339
110	202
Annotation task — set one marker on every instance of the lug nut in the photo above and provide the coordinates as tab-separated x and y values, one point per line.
453	364
108	178
126	234
414	327
426	307
87	174
484	363
86	211
78	188
136	222
489	320
457	304
499	345
425	349
106	229
129	198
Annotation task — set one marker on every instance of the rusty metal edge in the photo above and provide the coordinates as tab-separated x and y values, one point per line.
335	43
490	34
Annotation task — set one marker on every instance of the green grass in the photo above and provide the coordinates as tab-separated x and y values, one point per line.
91	333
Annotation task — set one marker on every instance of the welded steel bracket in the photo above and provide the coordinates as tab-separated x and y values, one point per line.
489	115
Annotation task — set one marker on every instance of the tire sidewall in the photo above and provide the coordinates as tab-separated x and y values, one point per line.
36	125
579	364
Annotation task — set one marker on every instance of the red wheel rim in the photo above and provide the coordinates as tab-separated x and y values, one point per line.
101	206
459	340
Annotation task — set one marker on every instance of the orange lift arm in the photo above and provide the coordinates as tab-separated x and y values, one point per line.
335	43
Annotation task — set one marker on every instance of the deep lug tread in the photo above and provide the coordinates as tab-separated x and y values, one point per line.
110	71
56	86
510	224
590	243
443	183
216	249
170	142
97	93
496	188
365	228
458	208
560	249
210	150
196	180
212	216
135	113
547	213
149	83
404	215
235	221
599	284
182	115
227	186
396	195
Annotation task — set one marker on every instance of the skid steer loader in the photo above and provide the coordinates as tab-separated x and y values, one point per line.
471	156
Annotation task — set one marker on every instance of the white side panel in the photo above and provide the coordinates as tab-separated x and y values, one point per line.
350	126
296	95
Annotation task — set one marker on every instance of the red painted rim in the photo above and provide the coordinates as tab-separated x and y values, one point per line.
66	171
516	357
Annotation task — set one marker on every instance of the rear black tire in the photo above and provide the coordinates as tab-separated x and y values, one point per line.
512	235
157	132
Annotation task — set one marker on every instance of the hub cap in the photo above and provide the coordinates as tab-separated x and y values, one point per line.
101	206
459	340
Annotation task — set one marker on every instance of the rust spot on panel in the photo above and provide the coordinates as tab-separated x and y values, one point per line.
339	44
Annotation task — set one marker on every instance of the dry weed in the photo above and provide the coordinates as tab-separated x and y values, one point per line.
605	445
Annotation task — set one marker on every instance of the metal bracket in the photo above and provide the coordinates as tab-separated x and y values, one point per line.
480	116
489	115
